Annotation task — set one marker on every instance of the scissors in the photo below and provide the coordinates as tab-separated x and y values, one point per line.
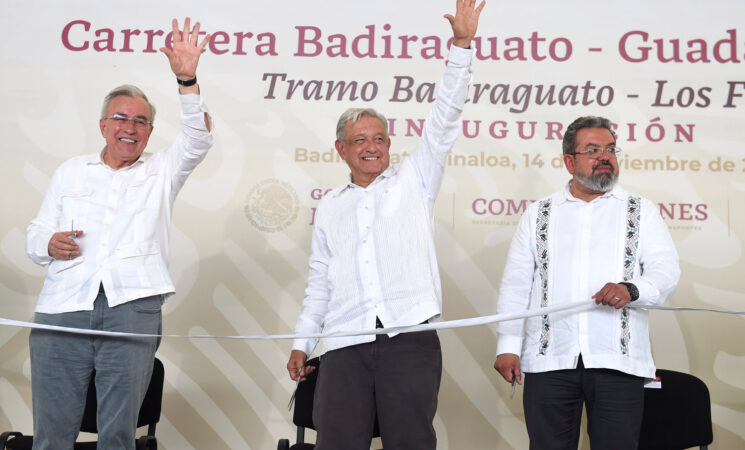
514	382
294	393
512	392
299	378
292	399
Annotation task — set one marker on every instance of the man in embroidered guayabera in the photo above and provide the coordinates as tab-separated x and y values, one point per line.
373	264
102	232
590	240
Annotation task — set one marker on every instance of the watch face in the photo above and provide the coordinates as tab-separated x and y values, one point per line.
633	291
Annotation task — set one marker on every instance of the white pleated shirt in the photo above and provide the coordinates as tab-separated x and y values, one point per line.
125	216
373	250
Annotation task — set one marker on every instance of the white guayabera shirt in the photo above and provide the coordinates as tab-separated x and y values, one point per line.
373	250
125	216
565	250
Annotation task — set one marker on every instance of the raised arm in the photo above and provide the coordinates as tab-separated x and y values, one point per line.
184	57
443	122
466	21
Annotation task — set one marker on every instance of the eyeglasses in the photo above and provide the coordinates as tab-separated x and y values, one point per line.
597	152
121	120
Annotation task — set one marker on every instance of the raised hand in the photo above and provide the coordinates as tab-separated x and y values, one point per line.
466	21
184	57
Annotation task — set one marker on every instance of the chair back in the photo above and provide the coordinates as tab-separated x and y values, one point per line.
302	415
677	416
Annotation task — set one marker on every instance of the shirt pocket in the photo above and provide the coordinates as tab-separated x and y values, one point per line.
141	193
136	249
75	204
61	265
393	201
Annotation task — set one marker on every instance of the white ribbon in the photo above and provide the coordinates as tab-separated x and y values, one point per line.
460	323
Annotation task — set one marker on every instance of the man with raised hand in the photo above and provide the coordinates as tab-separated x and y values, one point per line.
373	264
103	231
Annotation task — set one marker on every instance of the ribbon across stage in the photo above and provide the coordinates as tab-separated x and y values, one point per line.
459	323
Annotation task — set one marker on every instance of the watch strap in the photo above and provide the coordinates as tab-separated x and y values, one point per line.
633	290
187	83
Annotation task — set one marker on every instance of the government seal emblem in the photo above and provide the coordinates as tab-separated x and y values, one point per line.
271	205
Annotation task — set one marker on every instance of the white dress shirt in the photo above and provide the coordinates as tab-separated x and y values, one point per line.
373	250
586	250
125	217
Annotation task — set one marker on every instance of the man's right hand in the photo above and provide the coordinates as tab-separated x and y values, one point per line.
508	365
296	365
61	245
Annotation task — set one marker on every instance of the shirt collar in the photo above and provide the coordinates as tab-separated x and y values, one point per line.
617	193
391	171
97	159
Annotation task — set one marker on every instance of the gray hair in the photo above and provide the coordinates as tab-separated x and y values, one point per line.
353	115
126	90
570	137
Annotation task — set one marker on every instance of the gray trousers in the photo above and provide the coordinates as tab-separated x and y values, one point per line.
61	366
553	408
397	378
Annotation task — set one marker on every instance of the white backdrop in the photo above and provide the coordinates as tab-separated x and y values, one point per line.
670	74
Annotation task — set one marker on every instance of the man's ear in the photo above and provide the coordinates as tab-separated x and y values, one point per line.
569	163
339	148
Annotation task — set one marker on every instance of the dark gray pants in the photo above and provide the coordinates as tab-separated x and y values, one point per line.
397	378
553	408
61	366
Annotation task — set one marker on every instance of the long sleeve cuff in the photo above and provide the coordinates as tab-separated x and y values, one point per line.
509	344
305	345
192	113
192	104
37	245
459	56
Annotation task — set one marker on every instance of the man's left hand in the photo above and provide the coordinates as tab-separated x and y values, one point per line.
613	294
184	56
465	22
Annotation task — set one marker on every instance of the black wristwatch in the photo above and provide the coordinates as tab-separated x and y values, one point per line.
633	291
187	83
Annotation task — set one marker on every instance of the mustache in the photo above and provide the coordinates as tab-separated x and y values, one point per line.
604	163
